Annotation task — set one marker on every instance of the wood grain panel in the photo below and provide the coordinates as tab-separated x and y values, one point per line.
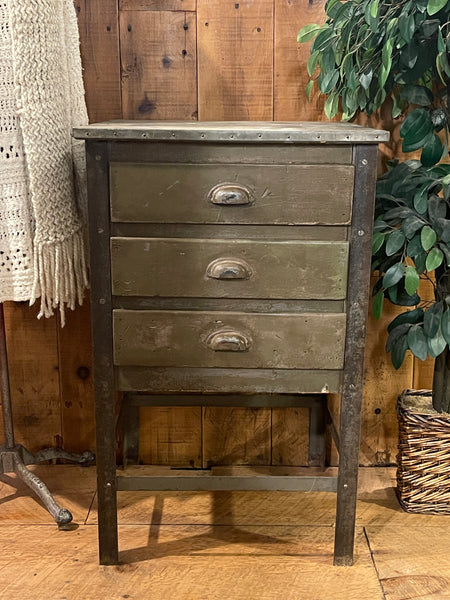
290	436
187	5
290	74
99	38
33	374
75	372
158	56
236	436
235	59
171	436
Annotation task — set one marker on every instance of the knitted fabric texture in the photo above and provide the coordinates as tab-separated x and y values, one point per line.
42	170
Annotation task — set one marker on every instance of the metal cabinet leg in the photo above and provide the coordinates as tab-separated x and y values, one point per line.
101	311
347	486
352	385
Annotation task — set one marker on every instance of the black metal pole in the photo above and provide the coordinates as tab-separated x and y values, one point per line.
4	386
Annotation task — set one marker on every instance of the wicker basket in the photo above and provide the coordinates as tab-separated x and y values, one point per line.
423	461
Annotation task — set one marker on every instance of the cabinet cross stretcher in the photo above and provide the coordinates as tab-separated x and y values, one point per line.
230	266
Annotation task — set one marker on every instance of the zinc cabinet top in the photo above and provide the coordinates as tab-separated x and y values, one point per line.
294	132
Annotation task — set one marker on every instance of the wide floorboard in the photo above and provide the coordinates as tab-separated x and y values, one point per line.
227	545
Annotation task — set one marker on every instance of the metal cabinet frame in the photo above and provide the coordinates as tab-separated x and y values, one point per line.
99	140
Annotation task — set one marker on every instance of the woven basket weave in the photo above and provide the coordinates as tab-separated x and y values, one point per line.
423	461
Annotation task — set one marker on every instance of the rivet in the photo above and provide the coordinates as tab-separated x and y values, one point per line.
345	486
360	233
100	230
98	157
102	301
109	485
364	162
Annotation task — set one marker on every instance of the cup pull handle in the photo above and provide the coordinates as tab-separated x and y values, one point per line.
228	341
226	194
228	268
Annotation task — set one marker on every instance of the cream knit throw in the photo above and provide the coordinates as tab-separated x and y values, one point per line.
42	172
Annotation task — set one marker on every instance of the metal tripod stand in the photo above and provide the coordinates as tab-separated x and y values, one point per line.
14	457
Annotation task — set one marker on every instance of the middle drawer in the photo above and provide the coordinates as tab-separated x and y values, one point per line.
178	267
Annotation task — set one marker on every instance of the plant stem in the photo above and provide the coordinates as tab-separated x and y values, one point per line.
441	382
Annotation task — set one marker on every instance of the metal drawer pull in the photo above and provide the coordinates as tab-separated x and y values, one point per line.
228	268
228	340
230	193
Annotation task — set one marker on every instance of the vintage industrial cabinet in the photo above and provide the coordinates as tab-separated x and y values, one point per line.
229	259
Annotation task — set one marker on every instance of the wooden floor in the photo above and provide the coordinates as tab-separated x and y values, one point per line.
206	546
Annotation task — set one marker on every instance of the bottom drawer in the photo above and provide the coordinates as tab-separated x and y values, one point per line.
229	339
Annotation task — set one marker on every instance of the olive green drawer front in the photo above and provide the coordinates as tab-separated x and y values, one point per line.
246	194
225	339
229	268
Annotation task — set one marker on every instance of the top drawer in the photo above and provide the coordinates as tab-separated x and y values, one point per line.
234	194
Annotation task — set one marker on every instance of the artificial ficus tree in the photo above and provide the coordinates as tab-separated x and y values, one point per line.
366	54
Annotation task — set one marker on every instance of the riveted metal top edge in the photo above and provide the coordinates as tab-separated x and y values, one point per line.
233	132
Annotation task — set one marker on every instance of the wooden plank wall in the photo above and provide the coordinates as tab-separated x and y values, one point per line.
189	59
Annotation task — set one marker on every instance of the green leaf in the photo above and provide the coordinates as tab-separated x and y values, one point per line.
309	88
374	8
415	129
393	275
435	6
396	107
410	226
386	61
445	326
399	351
366	79
432	319
436	345
417	94
412	280
395	241
437	209
444	225
323	38
410	316
434	259
406	24
417	342
420	262
395	334
328	60
308	32
432	151
377	242
429	27
421	200
441	43
332	105
445	249
377	304
427	237
329	81
312	62
330	4
414	247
